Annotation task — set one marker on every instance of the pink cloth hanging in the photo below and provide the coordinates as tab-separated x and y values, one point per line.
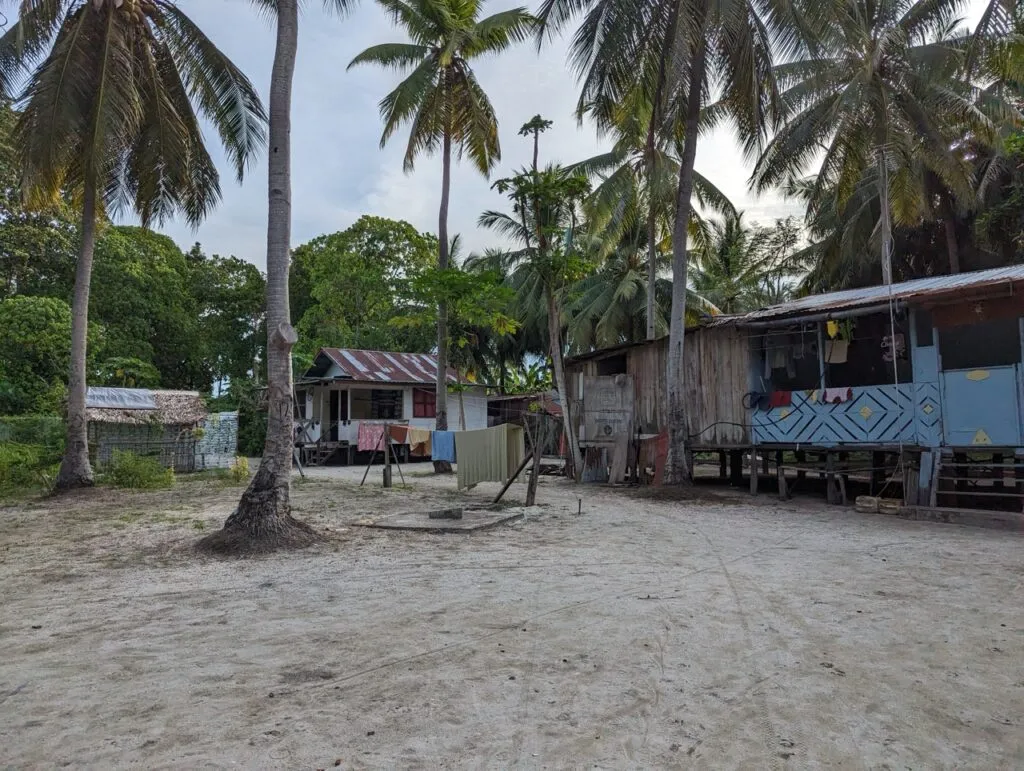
837	395
371	436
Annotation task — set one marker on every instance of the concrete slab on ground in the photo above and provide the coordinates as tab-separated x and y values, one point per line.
471	521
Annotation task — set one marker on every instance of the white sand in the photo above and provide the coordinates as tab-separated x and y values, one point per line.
717	632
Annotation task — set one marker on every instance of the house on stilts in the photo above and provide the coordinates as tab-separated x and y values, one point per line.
917	387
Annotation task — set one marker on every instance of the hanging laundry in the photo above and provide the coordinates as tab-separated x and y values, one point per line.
419	441
780	399
832	327
837	395
371	437
399	434
779	357
489	454
442	445
836	351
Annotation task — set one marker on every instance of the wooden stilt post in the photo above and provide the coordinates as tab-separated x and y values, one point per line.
736	467
753	471
877	472
801	459
783	493
722	465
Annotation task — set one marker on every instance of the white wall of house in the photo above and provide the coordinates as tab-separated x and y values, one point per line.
317	409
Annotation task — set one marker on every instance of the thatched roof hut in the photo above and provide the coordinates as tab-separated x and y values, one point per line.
139	406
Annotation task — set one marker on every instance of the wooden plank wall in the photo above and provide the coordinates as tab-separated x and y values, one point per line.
717	377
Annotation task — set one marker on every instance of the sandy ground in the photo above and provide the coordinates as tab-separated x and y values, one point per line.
645	633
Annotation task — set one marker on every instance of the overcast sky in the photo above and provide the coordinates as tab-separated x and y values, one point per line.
339	171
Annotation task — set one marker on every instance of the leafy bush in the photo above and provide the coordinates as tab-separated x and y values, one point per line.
138	472
44	430
27	467
240	470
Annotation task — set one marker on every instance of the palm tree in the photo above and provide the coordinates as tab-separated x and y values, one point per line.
885	96
263	521
739	268
445	105
535	126
691	47
638	180
108	116
609	305
545	220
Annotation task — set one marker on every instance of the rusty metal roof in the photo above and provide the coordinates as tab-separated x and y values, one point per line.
386	367
869	296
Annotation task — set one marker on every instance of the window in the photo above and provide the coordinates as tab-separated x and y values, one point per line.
986	344
377	404
424	403
612	365
790	359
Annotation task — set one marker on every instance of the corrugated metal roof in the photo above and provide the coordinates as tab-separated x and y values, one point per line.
387	367
878	295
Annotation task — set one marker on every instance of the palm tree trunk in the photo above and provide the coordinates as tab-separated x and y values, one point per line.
441	397
558	365
884	219
263	522
652	254
949	225
75	470
676	471
536	148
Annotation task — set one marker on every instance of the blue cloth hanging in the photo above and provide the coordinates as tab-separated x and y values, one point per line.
442	445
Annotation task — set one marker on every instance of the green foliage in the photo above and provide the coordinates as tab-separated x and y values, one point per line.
26	467
138	472
34	353
142	296
230	295
359	281
126	372
44	430
741	268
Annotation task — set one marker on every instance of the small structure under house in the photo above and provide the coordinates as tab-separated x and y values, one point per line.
916	387
346	387
172	426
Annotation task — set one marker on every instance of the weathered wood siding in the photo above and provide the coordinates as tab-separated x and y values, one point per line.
717	377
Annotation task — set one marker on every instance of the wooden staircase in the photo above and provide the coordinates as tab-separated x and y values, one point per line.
319	453
990	479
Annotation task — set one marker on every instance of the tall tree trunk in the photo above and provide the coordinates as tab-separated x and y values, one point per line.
885	221
536	148
263	522
441	398
75	470
652	252
558	366
676	471
949	225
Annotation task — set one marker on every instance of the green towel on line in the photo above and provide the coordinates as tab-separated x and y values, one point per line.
489	454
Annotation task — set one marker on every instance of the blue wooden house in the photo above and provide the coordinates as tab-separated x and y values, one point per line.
916	386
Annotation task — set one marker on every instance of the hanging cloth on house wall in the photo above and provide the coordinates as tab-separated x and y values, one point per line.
489	454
